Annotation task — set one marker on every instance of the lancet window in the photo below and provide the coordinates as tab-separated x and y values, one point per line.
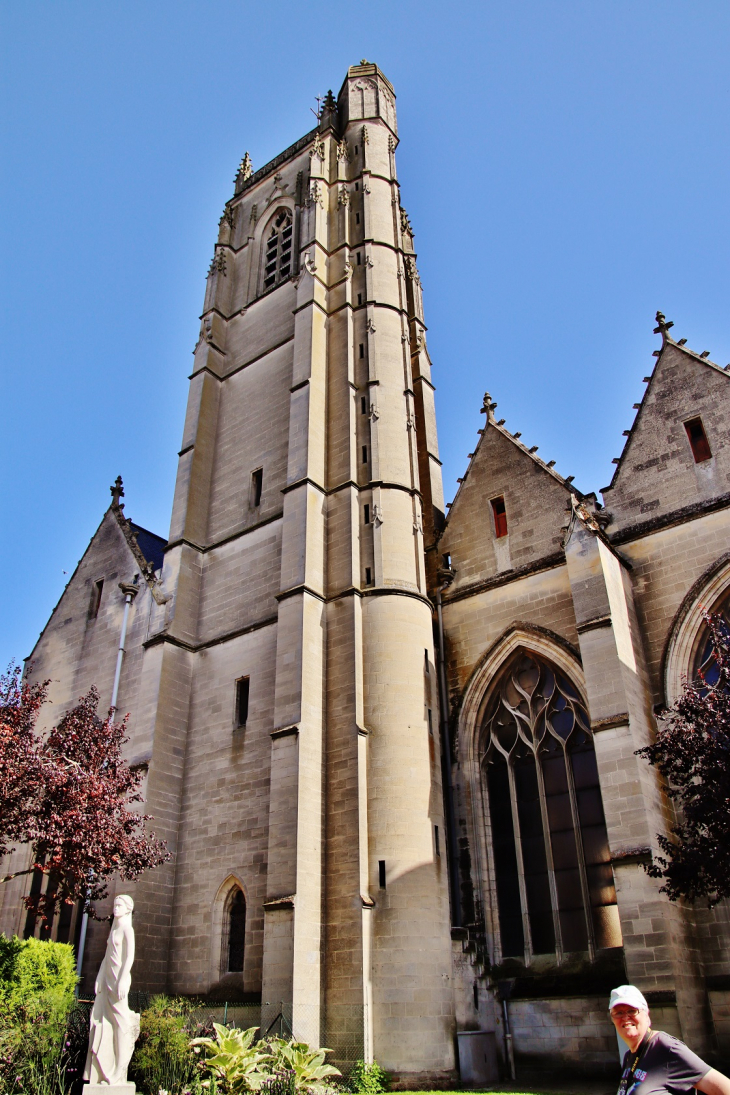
278	254
549	847
236	930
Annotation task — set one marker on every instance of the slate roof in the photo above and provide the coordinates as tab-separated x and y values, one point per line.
151	545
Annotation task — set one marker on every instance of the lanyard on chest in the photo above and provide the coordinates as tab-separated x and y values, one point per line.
627	1080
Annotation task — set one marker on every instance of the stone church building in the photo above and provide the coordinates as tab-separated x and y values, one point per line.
391	745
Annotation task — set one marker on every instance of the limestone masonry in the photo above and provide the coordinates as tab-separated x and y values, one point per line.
393	751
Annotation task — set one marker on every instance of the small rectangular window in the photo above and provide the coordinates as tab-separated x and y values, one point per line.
359	259
363	404
257	484
437	842
368	576
357	184
366	513
698	440
364	454
430	721
96	599
446	558
242	701
359	298
362	350
357	218
381	873
500	517
425	658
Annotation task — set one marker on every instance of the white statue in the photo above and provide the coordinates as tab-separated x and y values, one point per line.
114	1028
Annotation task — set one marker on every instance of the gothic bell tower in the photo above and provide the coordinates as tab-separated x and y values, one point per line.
290	675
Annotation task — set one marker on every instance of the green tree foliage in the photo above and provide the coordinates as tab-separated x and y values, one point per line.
692	752
37	981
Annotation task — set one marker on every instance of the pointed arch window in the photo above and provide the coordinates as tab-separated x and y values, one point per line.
705	655
554	881
278	253
236	917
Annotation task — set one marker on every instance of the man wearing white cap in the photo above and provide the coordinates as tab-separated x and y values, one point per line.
655	1062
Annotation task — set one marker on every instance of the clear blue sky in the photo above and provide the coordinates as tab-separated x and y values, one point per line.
564	165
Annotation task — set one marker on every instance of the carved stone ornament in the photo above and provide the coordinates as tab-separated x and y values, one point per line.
366	188
218	265
420	340
316	194
369	261
229	217
343	156
365	135
405	222
348	269
405	337
207	331
581	511
391	144
254	214
114	1027
377	515
411	268
343	196
411	421
418	524
373	413
370	325
317	148
309	264
245	170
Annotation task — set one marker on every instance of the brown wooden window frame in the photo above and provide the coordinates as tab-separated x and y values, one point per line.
697	438
499	514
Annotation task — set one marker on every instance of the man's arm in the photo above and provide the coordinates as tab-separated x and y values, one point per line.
714	1083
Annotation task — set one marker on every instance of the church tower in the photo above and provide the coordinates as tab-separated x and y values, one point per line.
289	681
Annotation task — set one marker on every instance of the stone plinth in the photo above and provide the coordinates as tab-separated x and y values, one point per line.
107	1089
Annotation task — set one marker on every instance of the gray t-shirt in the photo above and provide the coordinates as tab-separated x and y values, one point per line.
664	1065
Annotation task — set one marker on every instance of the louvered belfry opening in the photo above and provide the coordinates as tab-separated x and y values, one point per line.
277	263
551	861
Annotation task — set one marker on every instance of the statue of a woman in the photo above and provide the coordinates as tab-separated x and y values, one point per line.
114	1028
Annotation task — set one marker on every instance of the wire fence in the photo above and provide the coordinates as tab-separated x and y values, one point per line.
338	1027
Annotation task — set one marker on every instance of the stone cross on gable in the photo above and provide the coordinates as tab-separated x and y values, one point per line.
117	491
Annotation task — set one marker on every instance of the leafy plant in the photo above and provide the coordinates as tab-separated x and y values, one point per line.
306	1063
368	1079
163	1060
233	1059
37	980
692	752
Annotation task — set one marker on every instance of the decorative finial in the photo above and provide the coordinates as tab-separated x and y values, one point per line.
328	111
245	168
117	492
662	326
364	61
488	405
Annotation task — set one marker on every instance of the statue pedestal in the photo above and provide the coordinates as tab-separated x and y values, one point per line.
106	1089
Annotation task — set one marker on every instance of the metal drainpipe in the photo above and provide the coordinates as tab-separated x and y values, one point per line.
446	775
130	591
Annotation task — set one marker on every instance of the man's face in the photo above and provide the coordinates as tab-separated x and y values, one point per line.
631	1024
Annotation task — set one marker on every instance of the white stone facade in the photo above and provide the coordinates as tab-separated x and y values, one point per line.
307	552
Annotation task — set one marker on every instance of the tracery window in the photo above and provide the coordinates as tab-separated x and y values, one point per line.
277	259
552	866
705	656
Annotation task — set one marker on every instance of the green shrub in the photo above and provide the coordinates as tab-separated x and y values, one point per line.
235	1064
368	1079
307	1064
162	1058
37	981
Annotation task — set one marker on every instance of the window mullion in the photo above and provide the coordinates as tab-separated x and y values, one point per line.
520	865
549	857
587	911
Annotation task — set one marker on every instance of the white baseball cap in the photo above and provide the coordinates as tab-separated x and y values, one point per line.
628	994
